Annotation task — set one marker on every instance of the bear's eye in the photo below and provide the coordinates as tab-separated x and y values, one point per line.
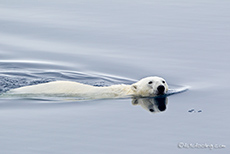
150	82
163	81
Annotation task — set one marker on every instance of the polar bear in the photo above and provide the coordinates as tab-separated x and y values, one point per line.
149	86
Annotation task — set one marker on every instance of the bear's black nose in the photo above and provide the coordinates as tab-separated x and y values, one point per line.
160	89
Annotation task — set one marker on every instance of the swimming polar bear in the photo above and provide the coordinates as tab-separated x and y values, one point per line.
150	86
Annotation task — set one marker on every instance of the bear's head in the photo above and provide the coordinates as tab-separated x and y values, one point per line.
150	86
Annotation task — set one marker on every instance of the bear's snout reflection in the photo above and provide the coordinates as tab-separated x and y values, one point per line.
154	105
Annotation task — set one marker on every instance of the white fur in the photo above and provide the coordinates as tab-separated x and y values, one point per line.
140	88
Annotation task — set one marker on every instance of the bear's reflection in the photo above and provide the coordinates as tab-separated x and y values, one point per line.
155	105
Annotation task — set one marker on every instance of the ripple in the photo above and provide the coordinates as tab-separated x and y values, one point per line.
25	64
176	89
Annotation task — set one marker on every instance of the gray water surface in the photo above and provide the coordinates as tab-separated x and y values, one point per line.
112	42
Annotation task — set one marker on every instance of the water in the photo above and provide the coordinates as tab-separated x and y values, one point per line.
111	42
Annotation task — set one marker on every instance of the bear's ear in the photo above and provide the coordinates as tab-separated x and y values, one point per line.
134	87
134	101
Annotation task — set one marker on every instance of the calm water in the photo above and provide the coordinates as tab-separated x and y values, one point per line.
111	42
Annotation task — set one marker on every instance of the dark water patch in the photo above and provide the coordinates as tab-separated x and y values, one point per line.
8	83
